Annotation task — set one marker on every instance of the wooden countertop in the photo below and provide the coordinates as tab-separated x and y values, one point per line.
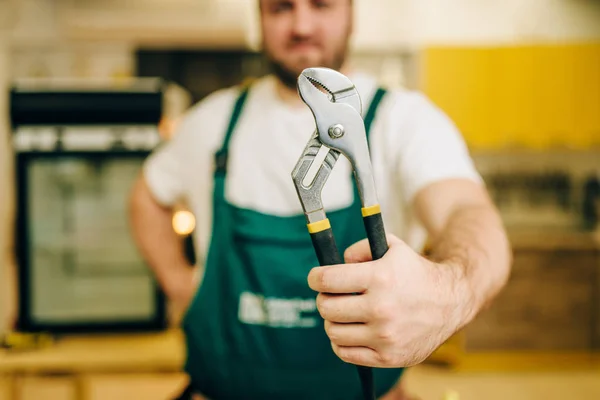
164	352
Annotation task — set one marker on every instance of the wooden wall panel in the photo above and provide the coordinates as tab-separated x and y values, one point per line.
548	304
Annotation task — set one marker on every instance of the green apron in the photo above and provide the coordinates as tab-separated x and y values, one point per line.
253	330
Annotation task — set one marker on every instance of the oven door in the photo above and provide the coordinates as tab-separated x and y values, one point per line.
79	269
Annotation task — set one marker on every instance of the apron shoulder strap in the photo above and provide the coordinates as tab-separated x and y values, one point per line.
221	155
368	120
370	115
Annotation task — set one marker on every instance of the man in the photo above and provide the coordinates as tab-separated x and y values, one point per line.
253	327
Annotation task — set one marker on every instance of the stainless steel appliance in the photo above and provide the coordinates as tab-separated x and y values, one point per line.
78	147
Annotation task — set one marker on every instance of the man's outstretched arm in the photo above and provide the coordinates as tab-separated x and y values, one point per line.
408	304
466	230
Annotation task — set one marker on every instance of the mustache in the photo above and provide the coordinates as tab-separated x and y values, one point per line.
296	40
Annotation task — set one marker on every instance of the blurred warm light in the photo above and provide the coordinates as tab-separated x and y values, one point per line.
451	395
176	102
167	128
184	222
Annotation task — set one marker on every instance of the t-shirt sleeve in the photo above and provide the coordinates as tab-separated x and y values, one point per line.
171	167
163	169
428	146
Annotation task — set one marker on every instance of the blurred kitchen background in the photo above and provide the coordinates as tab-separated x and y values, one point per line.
521	79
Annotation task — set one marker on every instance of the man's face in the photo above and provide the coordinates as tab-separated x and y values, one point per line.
298	34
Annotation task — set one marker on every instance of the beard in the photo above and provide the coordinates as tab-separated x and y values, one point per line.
289	75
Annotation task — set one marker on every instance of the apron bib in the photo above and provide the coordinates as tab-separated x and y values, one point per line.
253	330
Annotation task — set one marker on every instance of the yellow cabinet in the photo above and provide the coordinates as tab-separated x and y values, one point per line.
460	80
533	96
567	95
548	123
514	95
586	95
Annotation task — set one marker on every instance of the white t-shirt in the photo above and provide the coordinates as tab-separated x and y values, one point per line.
412	145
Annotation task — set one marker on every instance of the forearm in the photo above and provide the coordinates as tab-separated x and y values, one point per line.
474	242
152	231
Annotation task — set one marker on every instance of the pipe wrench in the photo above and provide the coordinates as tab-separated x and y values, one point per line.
336	107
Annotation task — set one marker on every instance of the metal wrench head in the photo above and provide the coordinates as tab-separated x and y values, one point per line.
339	88
336	106
310	194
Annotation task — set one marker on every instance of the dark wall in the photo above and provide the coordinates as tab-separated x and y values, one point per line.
201	72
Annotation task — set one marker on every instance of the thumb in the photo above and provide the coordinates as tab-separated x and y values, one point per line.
358	252
361	251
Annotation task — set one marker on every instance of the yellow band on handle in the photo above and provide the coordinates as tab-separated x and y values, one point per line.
371	210
319	226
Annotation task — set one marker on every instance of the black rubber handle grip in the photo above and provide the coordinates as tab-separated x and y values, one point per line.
378	244
326	248
367	382
328	254
376	235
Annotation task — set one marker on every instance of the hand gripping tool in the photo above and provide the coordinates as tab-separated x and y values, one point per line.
336	106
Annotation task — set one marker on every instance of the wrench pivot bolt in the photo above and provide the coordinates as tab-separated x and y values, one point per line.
336	131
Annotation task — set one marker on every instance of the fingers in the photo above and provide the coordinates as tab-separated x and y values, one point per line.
348	335
353	277
360	251
357	355
345	278
343	308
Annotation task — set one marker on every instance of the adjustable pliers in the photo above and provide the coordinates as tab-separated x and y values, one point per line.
336	106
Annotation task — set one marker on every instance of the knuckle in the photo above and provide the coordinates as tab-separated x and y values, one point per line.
381	311
387	359
339	351
367	282
386	334
323	305
345	354
324	280
379	279
331	331
319	301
